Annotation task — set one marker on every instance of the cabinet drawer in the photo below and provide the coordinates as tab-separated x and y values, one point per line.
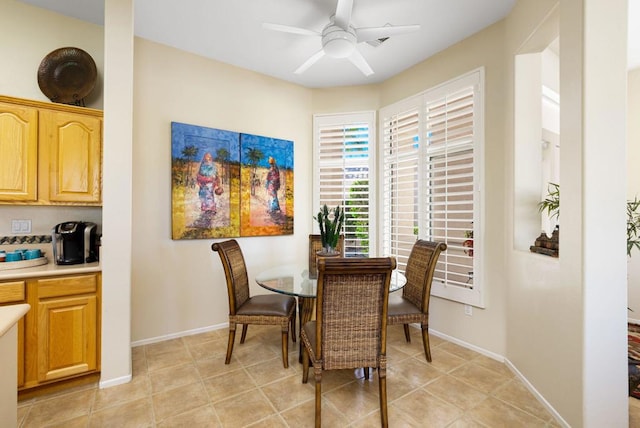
67	286
12	292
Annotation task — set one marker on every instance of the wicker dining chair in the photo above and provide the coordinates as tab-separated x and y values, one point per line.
413	305
350	330
315	245
264	309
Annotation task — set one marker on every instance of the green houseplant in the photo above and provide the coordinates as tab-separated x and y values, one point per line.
551	204
330	222
633	225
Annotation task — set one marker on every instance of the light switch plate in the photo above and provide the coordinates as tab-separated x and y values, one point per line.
20	226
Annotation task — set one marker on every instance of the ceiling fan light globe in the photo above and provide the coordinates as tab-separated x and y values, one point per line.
339	48
338	43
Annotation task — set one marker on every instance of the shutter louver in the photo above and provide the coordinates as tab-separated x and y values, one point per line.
449	175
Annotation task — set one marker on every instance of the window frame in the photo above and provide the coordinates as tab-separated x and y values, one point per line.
472	296
321	121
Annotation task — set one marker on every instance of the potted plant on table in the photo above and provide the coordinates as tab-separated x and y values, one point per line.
330	222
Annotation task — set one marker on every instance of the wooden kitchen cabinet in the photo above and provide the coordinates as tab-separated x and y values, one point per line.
67	326
18	152
59	338
13	293
50	154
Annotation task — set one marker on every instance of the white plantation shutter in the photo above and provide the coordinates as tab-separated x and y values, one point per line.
343	159
431	147
400	160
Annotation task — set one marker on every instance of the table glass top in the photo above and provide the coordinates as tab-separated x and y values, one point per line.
294	280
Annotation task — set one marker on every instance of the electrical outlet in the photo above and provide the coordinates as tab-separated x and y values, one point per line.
468	310
20	226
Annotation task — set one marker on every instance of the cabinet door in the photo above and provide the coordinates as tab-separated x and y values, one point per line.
18	153
73	156
67	337
11	293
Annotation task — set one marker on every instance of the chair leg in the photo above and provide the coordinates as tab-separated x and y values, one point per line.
232	337
382	382
407	334
318	401
285	348
366	372
305	365
293	325
425	341
244	332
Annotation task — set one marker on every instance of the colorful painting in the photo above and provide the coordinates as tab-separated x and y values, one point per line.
266	202
227	184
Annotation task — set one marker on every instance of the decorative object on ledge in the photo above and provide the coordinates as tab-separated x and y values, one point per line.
547	246
67	75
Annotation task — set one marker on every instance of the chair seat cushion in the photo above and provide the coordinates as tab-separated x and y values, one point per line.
268	304
401	306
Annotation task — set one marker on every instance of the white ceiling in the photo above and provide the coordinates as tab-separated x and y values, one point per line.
231	32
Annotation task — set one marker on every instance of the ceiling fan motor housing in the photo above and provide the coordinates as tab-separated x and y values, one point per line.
338	42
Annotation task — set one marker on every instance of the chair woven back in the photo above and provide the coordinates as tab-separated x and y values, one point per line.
351	325
235	271
315	245
419	273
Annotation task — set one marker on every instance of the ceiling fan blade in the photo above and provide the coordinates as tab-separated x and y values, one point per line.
374	33
343	14
308	63
289	29
358	60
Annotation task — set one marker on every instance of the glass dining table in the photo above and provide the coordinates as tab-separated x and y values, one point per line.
294	280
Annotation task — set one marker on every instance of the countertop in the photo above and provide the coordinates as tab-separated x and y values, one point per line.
49	269
9	315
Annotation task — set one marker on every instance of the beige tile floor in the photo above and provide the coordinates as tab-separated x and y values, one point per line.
185	383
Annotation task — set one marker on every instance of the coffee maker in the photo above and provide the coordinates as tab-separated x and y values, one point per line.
74	242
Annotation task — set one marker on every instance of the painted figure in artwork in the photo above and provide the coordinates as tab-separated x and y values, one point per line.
209	184
272	184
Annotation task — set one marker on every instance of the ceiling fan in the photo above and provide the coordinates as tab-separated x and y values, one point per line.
339	37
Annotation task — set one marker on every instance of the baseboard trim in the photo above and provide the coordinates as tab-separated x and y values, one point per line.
114	382
536	394
179	334
511	367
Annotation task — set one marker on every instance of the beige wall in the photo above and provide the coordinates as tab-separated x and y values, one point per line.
179	285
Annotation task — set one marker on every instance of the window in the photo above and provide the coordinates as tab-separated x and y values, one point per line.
343	174
431	146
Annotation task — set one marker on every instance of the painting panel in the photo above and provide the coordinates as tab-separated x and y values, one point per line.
205	182
266	180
